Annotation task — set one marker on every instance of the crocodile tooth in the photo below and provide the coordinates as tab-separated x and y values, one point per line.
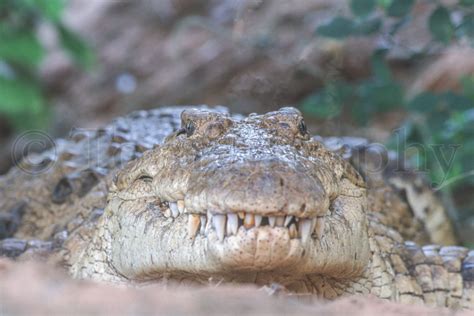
249	220
194	222
203	224
258	220
319	227
167	213
272	220
288	220
280	220
304	228
209	220
232	224
181	208
219	225
241	215
293	231
174	209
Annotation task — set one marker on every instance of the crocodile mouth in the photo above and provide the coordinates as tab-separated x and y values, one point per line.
226	225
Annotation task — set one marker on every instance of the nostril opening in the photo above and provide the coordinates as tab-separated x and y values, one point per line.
282	182
303	207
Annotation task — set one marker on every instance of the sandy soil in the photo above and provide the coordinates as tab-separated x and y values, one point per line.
30	288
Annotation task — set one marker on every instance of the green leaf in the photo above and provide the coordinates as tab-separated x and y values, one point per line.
19	96
399	8
456	102
321	105
23	104
384	3
340	27
23	48
440	25
328	102
466	3
467	84
466	28
368	27
424	102
76	46
381	96
361	113
379	67
51	9
362	7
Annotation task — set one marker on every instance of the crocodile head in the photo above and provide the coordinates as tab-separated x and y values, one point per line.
226	196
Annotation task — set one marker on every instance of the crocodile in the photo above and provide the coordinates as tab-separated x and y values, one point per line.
199	195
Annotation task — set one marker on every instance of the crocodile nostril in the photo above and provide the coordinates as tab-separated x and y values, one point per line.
282	182
61	191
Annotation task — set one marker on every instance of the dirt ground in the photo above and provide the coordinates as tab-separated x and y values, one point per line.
36	289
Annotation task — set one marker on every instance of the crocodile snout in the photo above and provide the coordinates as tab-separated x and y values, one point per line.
263	188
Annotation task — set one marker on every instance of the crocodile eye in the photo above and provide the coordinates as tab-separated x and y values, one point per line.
145	178
190	128
181	131
302	127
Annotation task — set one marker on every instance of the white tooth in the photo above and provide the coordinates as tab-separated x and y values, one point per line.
272	220
203	224
219	225
293	231
280	220
181	208
249	220
319	227
167	213
258	220
288	220
174	209
304	228
193	225
232	224
209	221
313	224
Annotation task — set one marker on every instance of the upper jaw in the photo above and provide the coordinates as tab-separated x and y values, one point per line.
227	224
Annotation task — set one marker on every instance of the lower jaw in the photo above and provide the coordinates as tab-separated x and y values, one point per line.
258	249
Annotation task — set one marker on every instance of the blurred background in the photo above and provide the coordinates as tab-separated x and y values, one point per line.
362	68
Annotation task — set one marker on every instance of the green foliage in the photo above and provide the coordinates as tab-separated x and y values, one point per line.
441	27
450	126
75	46
339	27
367	20
21	53
466	2
362	7
399	8
21	48
440	122
379	93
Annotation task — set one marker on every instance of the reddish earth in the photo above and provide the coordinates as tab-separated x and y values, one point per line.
36	289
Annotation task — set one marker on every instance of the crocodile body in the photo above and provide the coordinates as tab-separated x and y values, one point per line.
199	195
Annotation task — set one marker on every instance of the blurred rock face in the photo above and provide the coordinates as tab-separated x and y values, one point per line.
251	55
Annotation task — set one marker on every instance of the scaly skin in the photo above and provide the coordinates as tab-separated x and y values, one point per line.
257	200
